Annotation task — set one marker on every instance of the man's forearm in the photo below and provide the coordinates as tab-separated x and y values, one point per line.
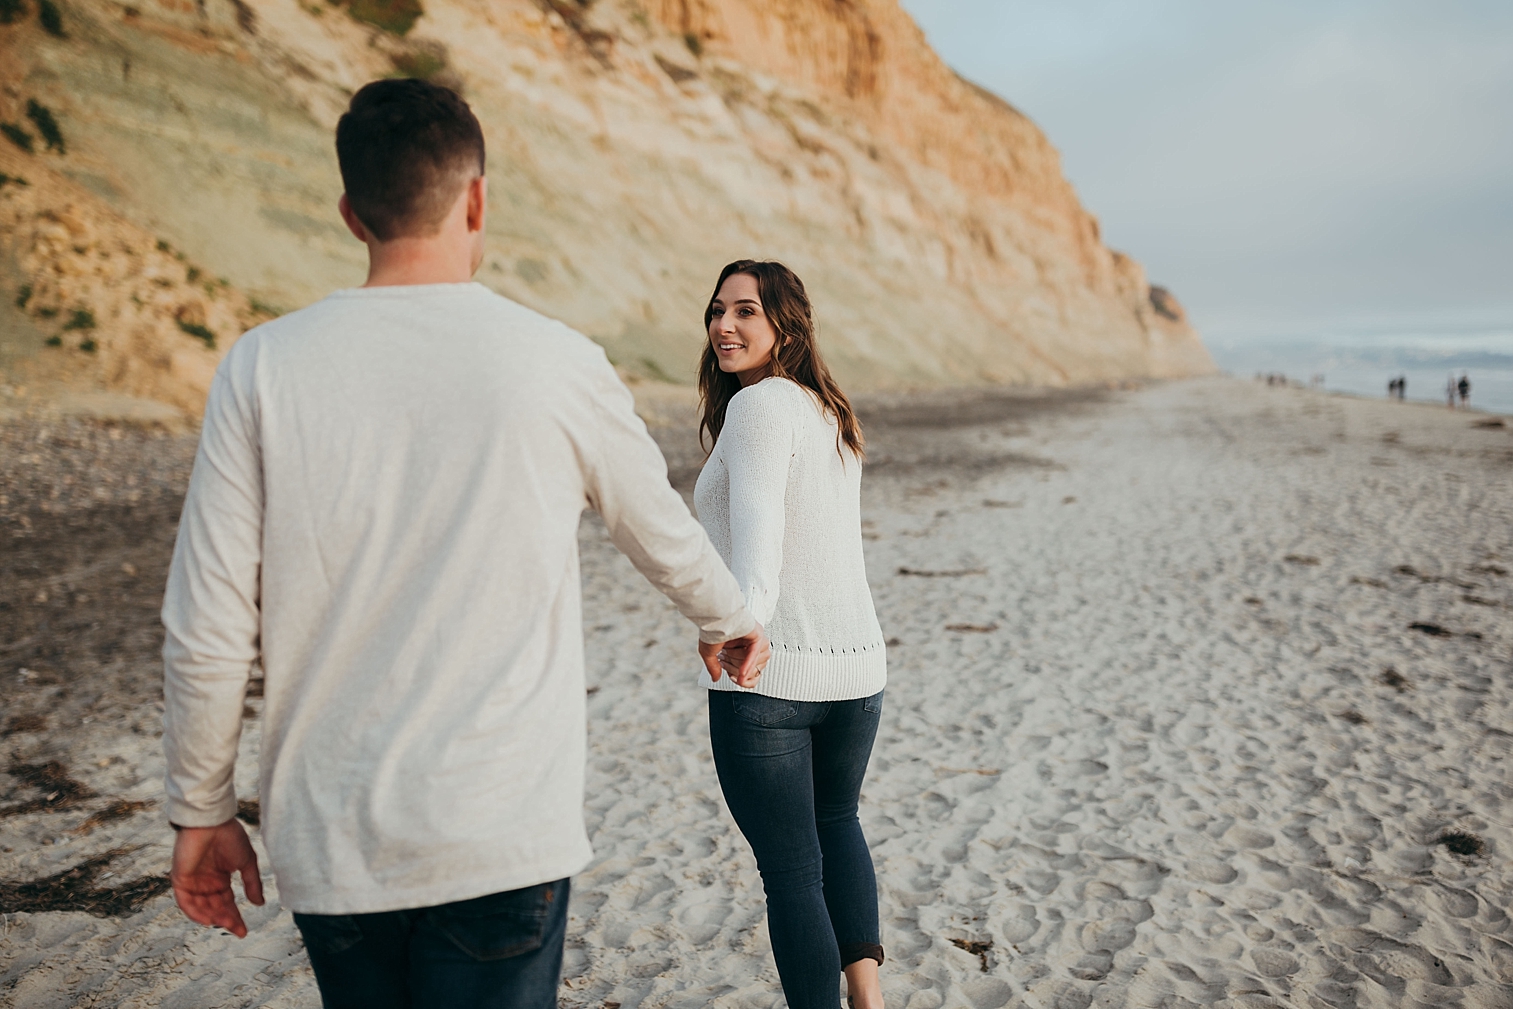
648	521
202	725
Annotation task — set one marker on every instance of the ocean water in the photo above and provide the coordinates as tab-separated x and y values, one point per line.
1362	360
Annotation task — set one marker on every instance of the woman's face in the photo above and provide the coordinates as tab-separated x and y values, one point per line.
740	333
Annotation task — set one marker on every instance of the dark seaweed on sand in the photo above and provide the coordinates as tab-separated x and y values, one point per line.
1436	631
1461	843
74	890
120	809
26	723
59	790
977	947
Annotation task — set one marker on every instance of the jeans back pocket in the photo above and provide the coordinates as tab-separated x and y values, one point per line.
760	709
500	925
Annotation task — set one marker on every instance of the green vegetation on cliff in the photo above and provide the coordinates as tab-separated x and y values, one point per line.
394	16
47	125
51	18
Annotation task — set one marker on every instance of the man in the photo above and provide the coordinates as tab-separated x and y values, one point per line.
384	513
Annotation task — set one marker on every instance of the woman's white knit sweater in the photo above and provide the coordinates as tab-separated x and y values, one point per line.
783	508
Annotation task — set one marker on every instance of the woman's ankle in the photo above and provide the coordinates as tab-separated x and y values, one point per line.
863	987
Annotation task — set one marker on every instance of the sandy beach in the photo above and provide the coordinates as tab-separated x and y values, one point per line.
1201	694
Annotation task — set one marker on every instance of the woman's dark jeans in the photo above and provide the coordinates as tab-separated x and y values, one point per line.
792	772
503	951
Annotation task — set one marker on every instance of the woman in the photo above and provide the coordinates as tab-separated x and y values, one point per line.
781	498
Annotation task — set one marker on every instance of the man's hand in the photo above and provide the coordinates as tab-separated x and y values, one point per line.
203	860
743	658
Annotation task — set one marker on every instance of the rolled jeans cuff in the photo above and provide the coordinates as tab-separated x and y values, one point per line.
851	952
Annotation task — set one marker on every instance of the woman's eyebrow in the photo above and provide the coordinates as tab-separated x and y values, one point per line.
748	301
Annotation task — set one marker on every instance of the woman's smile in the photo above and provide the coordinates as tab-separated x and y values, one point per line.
740	332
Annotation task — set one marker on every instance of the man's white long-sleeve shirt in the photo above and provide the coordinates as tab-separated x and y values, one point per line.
384	513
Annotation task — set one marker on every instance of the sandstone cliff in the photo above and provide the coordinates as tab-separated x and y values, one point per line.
635	146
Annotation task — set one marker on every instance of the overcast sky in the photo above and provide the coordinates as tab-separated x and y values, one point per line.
1281	165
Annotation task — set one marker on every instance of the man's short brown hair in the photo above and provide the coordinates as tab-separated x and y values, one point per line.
406	148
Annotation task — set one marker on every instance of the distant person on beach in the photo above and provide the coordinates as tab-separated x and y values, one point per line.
384	513
1392	388
781	498
1450	390
1464	388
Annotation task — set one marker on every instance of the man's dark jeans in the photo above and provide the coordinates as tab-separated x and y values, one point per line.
503	950
792	773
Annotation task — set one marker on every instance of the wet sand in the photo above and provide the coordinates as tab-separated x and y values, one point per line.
1200	694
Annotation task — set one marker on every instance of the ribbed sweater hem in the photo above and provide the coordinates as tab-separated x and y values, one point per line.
795	674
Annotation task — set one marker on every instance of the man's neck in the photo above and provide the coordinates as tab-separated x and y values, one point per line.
405	261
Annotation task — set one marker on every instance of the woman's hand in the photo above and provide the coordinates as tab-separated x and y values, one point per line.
743	658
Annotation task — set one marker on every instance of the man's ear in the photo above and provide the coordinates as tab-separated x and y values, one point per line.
478	202
354	223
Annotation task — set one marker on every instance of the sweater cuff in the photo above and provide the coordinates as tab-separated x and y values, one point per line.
737	626
185	815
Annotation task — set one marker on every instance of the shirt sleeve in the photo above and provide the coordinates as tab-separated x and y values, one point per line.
211	614
648	521
757	445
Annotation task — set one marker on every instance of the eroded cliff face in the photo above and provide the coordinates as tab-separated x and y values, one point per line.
635	147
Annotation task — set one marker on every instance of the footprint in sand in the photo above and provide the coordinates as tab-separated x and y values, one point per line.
1273	962
1455	903
1211	870
1107	935
1249	837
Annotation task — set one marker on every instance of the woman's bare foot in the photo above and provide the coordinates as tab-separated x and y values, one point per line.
863	989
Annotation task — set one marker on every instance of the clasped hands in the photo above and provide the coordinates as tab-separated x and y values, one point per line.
743	658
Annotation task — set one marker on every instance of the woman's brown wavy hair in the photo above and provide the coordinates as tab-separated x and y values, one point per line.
795	355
